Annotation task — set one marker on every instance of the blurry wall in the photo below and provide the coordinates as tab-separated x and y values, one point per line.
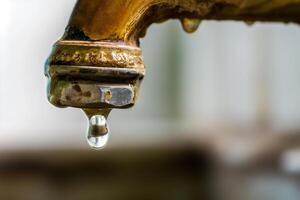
226	73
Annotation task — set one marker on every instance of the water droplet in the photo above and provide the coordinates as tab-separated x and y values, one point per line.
190	25
98	133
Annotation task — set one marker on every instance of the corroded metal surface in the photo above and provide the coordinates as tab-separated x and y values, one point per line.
126	20
99	50
94	74
96	54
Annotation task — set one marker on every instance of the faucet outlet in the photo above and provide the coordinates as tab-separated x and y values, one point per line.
96	75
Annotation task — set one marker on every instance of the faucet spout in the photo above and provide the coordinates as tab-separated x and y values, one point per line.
98	63
125	21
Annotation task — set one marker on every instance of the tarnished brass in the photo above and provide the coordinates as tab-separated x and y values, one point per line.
88	74
98	63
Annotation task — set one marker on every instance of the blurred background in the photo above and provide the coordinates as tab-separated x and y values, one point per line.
218	115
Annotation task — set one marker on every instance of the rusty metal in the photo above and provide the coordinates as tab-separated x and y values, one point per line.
98	63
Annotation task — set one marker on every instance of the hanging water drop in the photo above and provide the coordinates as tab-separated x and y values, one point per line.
190	25
98	132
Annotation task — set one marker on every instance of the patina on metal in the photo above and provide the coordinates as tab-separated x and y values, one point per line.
98	63
88	74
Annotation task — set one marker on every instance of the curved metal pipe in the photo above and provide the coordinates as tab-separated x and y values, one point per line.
98	63
126	20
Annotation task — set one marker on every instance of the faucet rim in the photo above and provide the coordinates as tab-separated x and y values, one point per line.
104	44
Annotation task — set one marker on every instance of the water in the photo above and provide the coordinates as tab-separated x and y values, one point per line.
98	131
190	25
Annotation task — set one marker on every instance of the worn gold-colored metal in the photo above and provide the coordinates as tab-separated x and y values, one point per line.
98	63
88	74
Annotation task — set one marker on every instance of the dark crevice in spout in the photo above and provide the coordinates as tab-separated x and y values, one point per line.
158	14
74	33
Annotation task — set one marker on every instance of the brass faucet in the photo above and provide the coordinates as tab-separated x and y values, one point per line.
98	65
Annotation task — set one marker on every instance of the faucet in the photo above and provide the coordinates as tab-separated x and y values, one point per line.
98	65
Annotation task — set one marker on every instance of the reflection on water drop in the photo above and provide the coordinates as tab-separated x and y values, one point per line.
97	143
98	133
190	25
